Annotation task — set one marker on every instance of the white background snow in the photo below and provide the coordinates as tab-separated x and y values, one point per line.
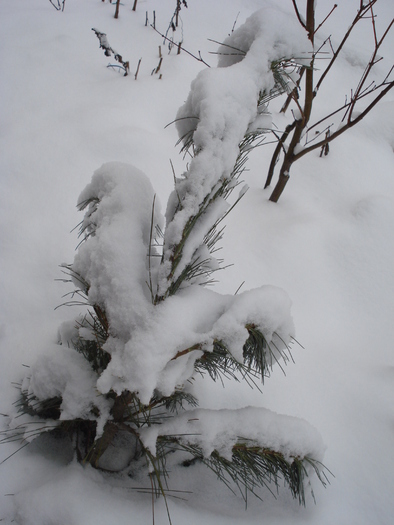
328	243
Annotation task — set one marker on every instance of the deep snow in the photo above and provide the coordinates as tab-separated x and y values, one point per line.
328	243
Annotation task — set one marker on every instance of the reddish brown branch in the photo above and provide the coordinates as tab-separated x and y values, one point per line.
364	88
327	17
197	346
346	126
300	19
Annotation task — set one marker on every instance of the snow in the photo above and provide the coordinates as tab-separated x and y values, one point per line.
221	429
113	260
262	38
113	269
62	372
221	106
328	243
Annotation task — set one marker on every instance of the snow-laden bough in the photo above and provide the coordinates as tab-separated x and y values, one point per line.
151	325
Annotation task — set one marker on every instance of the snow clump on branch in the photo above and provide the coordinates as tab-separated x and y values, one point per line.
222	106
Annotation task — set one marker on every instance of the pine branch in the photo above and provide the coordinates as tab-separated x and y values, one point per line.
251	466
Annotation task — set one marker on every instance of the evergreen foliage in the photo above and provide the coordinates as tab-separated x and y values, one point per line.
251	465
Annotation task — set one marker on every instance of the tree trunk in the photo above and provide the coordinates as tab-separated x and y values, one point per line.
284	176
301	124
101	445
111	428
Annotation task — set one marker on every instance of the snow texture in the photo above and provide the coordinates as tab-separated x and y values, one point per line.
221	430
195	316
62	372
114	259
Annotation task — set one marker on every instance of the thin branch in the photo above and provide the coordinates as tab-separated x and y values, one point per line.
346	126
59	7
198	58
197	346
386	32
359	90
235	22
360	14
328	16
227	45
275	156
150	248
239	287
375	36
347	104
388	74
300	19
294	93
138	68
117	9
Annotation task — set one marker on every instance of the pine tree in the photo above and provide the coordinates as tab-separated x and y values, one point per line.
122	375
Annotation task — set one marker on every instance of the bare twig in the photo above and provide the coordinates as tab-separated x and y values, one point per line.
235	22
159	66
300	19
150	249
325	148
359	90
327	17
117	9
348	125
294	93
360	14
198	58
59	6
365	87
278	148
178	10
227	45
138	68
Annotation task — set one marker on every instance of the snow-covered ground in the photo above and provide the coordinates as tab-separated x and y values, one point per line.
328	243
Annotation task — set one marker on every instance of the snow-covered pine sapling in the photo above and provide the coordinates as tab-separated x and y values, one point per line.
108	51
301	136
122	377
